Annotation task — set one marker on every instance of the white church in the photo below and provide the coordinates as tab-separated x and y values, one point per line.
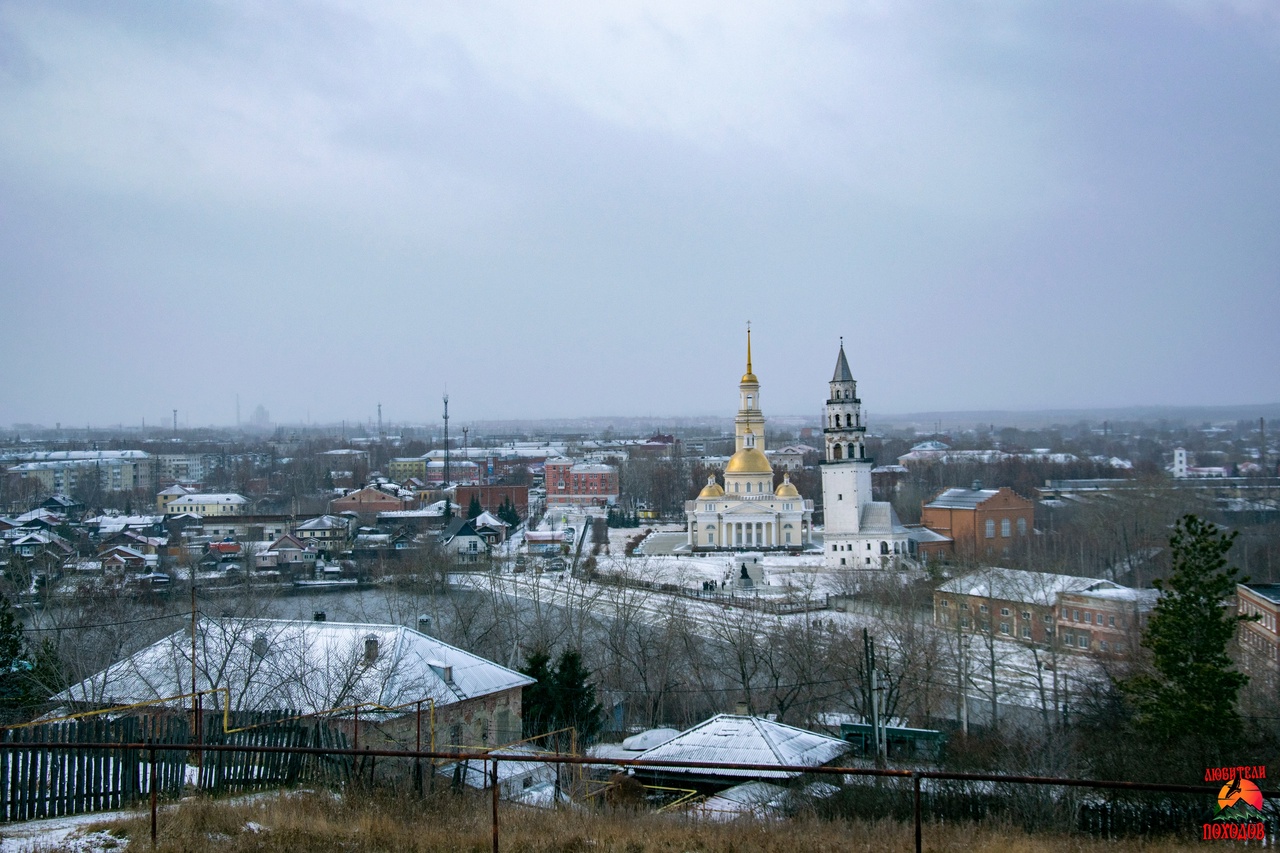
747	513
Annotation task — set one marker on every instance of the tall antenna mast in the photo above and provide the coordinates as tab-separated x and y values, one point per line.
445	484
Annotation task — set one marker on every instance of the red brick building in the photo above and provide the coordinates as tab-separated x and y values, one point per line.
980	521
491	497
568	482
367	501
1260	639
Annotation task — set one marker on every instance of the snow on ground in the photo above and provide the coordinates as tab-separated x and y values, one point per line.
63	834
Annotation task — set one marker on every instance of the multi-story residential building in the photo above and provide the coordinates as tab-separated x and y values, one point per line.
980	521
181	468
402	468
1260	638
63	471
570	483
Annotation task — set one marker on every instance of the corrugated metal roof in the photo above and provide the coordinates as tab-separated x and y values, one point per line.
307	666
733	739
879	517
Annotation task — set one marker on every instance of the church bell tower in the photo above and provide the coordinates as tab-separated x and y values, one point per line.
846	469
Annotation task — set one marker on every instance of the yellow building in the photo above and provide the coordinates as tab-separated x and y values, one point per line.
747	512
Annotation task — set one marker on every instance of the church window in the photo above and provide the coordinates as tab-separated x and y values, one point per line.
1004	528
848	420
748	488
884	547
735	487
838	452
836	548
991	528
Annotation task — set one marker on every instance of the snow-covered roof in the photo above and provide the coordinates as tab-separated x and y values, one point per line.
194	499
734	739
1017	585
307	666
324	522
488	519
962	498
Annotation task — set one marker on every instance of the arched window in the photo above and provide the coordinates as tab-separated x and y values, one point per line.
848	420
991	528
748	488
1022	527
838	452
884	547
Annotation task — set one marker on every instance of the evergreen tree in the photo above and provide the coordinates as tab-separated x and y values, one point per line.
536	700
1192	693
474	509
17	693
576	703
564	697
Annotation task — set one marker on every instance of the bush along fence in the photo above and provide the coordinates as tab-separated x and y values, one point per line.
108	774
97	764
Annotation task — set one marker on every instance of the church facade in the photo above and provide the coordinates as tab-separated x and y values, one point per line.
747	512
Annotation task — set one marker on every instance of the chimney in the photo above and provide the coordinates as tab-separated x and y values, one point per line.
424	624
740	709
977	485
319	616
370	649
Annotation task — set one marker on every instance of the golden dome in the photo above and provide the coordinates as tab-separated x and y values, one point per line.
748	460
785	489
711	490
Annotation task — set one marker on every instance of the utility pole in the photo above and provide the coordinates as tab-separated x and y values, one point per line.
445	484
380	435
175	423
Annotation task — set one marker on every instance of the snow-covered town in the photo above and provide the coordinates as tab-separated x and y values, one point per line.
637	426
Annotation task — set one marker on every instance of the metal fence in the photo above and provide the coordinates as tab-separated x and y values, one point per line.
1101	808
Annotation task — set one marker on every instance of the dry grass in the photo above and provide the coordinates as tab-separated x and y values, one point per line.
353	824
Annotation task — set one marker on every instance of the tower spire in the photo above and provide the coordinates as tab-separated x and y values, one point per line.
749	346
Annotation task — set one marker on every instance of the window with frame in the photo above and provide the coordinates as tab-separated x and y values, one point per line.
1088	617
1111	621
1004	611
982	608
1005	530
1026	632
1026	614
1004	627
1022	527
1075	615
991	528
944	603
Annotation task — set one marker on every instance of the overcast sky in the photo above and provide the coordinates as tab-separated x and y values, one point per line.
569	209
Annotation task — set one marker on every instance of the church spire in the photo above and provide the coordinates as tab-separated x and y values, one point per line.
749	376
843	373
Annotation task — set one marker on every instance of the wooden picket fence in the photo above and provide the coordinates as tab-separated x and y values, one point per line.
37	782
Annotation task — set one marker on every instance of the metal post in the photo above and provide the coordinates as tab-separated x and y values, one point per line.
153	795
915	780
355	729
199	737
417	761
493	780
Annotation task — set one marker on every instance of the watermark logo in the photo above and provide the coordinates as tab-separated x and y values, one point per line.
1239	815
